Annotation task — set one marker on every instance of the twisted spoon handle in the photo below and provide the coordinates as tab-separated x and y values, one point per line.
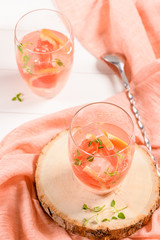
140	124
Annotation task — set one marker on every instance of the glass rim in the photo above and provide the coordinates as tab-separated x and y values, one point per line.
94	103
51	10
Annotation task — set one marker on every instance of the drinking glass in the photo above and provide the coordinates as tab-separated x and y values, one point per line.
44	47
101	146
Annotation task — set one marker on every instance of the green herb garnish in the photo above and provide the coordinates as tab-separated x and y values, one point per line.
26	59
111	174
21	45
95	209
85	221
117	152
59	62
106	219
114	218
17	97
100	147
113	203
27	44
99	141
78	152
98	210
90	158
20	48
121	215
85	207
29	70
120	156
89	144
77	162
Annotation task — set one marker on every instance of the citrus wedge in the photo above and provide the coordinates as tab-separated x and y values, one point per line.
90	136
93	174
51	37
49	70
106	141
44	80
117	142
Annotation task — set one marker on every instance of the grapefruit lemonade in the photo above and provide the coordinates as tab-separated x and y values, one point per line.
44	57
100	153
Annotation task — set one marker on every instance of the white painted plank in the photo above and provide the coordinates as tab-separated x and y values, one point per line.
9	121
12	10
80	89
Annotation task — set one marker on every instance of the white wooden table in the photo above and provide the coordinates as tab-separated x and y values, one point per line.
90	80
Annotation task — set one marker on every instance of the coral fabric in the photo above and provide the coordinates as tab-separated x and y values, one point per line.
129	27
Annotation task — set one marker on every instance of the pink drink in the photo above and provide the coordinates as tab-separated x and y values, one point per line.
44	60
97	162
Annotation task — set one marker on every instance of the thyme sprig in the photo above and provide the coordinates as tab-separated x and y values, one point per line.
79	162
115	172
97	140
18	97
111	174
78	152
58	62
115	213
22	45
26	58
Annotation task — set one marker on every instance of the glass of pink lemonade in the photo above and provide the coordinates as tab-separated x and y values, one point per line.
44	50
101	146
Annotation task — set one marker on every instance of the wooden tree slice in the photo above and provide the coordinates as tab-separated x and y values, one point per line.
62	196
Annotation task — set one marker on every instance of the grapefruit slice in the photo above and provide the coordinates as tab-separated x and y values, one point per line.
43	81
44	46
51	37
90	136
87	147
105	139
117	142
93	174
45	71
